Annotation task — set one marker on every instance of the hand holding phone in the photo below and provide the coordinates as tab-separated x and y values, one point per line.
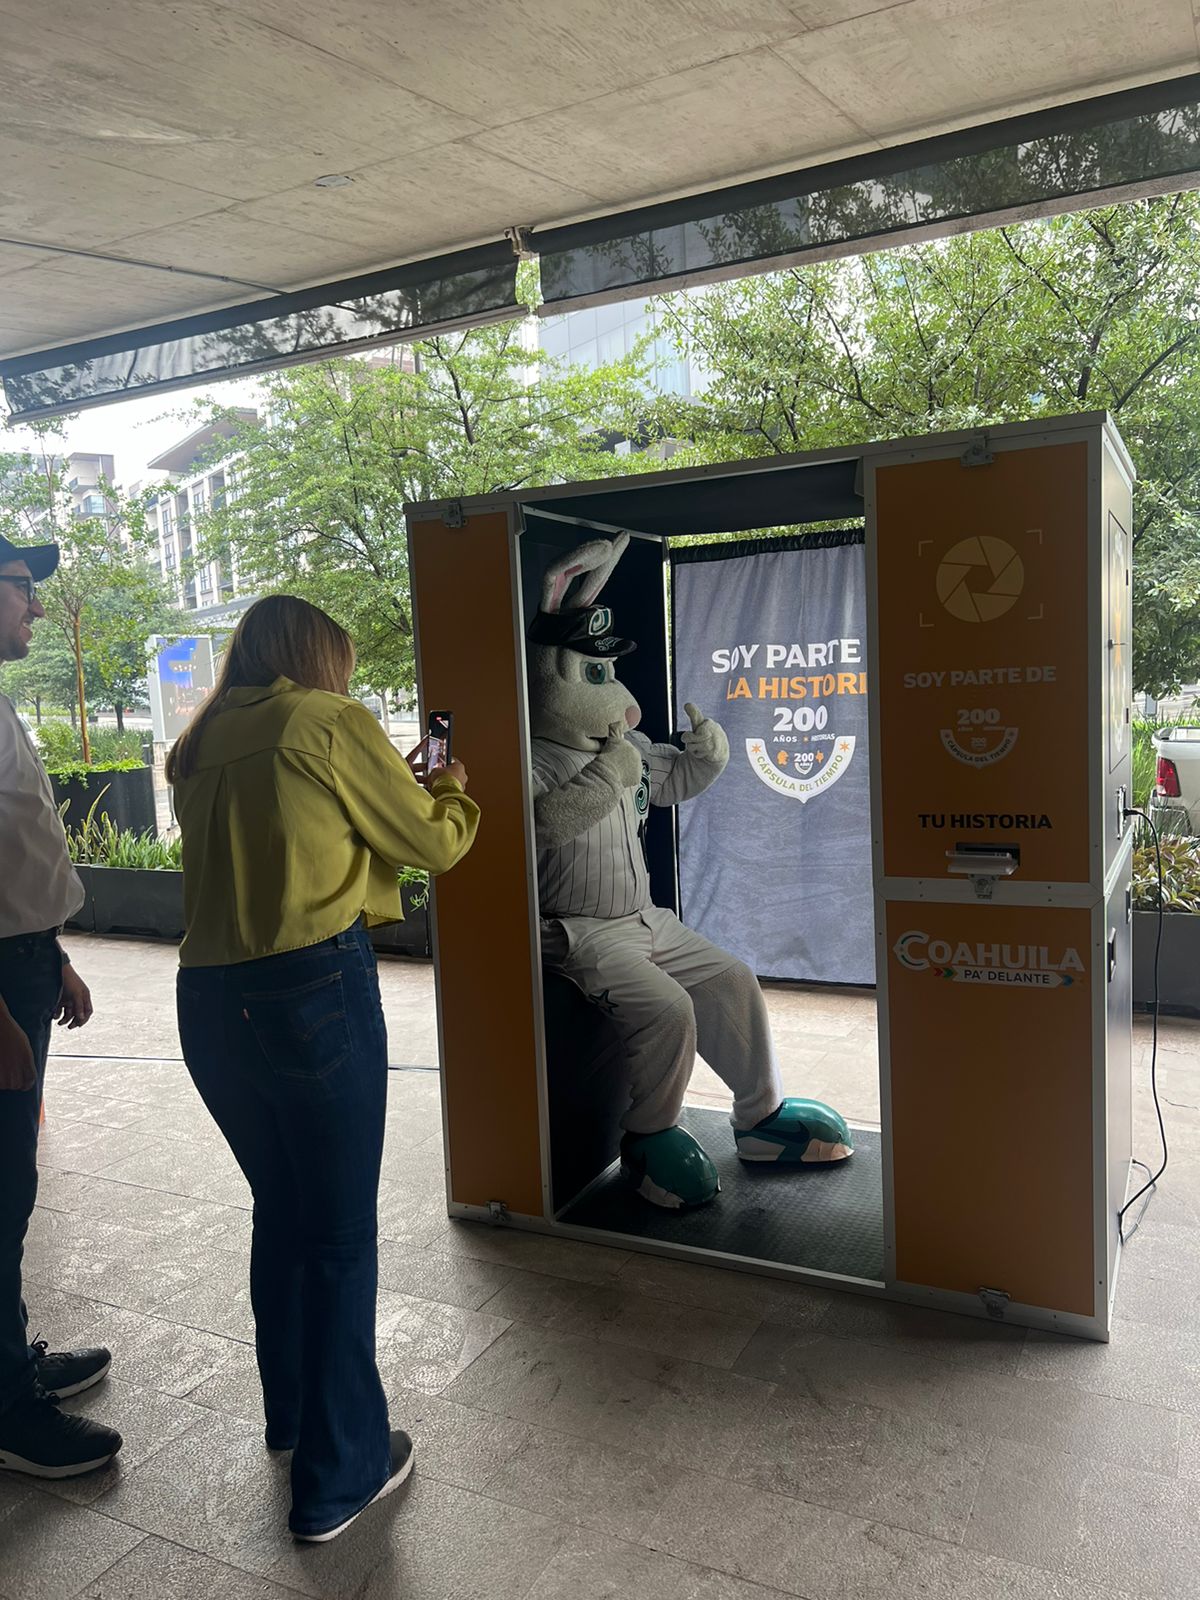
438	735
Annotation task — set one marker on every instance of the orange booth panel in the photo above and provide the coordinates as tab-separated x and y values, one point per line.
982	670
990	1040
463	590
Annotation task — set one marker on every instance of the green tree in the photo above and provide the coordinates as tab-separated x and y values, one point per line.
121	672
320	485
1094	311
45	679
106	595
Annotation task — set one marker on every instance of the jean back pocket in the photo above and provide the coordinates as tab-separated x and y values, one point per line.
303	1031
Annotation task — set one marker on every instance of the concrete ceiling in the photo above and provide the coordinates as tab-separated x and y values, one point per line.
189	136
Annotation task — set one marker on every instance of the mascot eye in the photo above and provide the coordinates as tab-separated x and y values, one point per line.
595	672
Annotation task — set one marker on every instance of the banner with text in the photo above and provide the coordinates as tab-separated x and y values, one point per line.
775	859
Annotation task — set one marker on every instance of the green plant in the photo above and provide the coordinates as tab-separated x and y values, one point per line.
61	747
98	842
58	742
1180	875
417	879
108	744
65	771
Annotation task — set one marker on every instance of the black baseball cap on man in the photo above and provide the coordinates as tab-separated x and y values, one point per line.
41	559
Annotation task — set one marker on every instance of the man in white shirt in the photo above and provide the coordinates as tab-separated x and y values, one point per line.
39	890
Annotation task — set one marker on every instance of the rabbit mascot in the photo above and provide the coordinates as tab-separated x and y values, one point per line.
668	992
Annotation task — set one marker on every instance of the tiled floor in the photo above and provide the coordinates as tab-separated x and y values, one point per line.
589	1423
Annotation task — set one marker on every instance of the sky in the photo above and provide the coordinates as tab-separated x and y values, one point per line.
133	432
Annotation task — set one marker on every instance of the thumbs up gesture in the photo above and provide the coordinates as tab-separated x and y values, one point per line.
707	741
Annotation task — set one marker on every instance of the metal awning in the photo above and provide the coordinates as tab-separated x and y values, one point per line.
190	194
1115	147
410	302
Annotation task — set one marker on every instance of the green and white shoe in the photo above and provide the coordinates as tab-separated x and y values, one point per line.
800	1132
669	1169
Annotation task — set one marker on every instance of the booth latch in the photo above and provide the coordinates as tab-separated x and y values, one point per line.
995	1302
452	516
977	453
497	1212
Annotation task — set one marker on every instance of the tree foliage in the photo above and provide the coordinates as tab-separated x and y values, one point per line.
321	483
45	679
1093	311
106	597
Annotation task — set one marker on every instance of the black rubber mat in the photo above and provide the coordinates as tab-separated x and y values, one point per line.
829	1219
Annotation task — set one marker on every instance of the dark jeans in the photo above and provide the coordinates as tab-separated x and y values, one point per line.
30	983
290	1055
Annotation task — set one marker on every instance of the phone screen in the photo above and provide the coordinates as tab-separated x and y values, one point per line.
439	730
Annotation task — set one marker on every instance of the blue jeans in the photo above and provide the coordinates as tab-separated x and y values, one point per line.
289	1054
30	984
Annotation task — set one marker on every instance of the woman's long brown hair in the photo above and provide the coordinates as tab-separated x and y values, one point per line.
279	636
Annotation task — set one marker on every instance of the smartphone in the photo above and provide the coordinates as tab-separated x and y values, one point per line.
439	730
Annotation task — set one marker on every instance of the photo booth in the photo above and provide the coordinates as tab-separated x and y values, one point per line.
997	665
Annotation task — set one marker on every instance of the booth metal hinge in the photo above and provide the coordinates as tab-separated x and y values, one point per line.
995	1302
497	1212
452	516
978	453
518	237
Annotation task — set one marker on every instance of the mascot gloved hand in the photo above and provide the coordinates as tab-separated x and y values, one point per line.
668	992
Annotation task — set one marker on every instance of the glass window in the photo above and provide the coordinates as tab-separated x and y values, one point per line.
556	337
584	355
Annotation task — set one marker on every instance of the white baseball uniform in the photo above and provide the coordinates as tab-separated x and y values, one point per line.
668	991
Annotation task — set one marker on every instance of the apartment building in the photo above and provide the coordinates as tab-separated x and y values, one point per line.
195	484
600	334
85	475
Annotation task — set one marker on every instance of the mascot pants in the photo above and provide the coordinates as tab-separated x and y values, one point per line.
670	994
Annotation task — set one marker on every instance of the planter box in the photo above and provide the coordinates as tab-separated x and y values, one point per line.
150	903
1179	963
131	900
126	797
410	937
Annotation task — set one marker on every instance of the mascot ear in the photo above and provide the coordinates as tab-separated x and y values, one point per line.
593	562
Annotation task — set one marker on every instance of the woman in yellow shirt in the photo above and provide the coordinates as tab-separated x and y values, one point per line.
295	813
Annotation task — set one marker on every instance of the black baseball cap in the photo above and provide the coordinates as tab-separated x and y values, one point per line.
41	559
584	629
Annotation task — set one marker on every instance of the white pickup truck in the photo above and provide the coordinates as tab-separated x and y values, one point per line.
1175	800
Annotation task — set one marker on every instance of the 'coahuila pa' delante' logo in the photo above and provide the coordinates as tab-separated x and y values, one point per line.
809	776
1026	966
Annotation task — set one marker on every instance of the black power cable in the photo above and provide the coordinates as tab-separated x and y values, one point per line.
1152	1179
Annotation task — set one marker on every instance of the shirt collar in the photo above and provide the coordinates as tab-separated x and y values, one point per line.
252	693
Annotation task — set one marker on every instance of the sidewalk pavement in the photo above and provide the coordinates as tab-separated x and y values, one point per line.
589	1422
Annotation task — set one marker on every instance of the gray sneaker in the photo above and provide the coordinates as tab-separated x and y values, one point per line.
402	1465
